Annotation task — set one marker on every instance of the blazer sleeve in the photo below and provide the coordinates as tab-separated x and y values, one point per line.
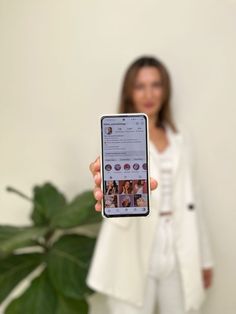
206	250
207	260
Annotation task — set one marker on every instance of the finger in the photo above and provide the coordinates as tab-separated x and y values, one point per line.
98	206
97	192
153	184
97	179
94	167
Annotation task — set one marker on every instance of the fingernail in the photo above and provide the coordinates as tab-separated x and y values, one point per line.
96	176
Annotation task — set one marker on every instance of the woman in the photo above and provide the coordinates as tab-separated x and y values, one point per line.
140	201
164	258
111	201
125	201
139	187
111	187
126	188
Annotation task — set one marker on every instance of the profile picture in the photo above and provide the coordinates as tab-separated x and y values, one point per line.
126	166
108	130
108	167
117	167
144	166
136	166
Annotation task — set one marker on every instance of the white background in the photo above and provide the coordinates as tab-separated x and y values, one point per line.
61	66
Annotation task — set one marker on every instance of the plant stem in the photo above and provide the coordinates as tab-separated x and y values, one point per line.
11	189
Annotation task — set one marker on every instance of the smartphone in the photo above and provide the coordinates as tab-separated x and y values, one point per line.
125	165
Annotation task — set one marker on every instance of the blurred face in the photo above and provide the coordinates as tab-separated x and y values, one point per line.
141	202
148	91
110	183
127	184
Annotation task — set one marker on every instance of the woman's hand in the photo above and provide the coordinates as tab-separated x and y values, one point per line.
207	275
94	167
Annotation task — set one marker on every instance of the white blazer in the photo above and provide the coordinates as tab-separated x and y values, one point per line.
119	266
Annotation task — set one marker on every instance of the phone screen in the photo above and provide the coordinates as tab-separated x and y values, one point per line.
125	165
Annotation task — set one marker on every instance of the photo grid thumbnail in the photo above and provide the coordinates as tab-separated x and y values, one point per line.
125	193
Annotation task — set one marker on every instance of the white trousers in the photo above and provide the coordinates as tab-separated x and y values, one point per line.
162	296
163	293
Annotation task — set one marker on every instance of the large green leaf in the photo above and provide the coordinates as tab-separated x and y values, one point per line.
7	231
39	298
12	238
48	201
68	263
79	212
72	306
14	268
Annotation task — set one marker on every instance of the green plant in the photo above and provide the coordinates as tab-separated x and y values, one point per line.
62	260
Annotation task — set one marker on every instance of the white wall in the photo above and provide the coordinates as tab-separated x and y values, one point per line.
61	65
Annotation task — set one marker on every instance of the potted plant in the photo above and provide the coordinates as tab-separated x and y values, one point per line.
54	249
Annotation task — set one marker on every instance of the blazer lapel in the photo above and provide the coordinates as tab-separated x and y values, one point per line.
175	141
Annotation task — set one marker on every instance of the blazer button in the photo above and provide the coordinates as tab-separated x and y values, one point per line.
191	206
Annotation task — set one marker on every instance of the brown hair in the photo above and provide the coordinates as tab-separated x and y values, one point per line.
126	103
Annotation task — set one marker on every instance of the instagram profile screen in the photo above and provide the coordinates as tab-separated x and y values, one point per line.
124	165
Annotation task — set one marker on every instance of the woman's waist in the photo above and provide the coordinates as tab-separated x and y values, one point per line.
167	212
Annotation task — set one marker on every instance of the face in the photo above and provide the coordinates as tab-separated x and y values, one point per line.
110	183
141	202
127	184
126	201
148	91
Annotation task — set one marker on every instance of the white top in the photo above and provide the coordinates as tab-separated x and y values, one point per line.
163	256
165	181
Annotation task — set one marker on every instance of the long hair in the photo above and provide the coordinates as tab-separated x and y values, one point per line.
126	105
